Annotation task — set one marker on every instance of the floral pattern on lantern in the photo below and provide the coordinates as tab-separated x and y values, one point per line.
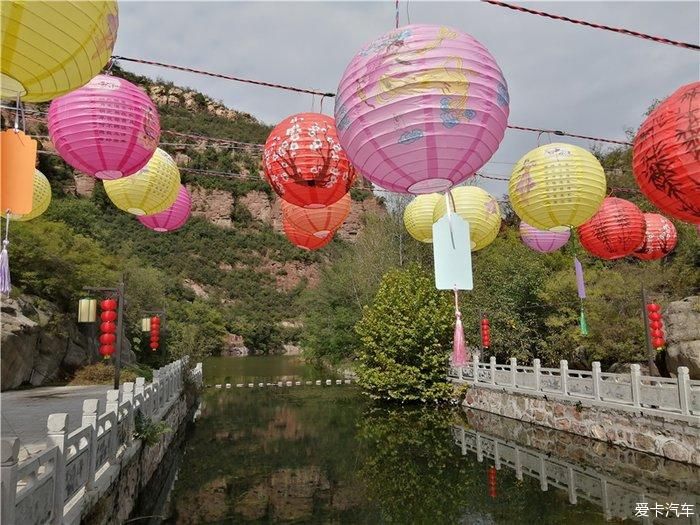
557	186
480	210
109	128
666	155
149	191
543	241
318	221
421	109
304	240
41	198
660	238
418	216
615	231
49	49
304	163
174	217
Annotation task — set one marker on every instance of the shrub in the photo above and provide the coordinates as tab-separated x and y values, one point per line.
405	338
101	374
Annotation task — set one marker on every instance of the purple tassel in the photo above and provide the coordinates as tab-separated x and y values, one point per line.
459	352
5	285
579	279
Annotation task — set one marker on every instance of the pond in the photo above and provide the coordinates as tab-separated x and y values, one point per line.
325	454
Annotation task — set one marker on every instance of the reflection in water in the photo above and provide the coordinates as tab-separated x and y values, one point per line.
326	455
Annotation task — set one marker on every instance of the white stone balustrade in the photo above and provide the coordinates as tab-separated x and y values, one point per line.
50	486
680	397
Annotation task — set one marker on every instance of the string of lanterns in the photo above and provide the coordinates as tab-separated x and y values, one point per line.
108	327
155	333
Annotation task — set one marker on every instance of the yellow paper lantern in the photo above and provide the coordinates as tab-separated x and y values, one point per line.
557	186
51	48
479	208
146	324
87	310
41	198
418	216
151	190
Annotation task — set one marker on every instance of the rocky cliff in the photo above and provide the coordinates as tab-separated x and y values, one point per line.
682	320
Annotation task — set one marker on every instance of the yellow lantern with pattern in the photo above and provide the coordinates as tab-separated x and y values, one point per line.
52	47
151	190
557	187
479	208
41	198
418	216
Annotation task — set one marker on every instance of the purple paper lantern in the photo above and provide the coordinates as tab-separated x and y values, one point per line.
173	218
421	109
543	241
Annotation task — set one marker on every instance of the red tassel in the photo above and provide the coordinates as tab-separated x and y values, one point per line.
459	352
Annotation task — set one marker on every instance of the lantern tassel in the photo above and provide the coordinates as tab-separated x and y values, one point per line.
459	353
5	284
582	322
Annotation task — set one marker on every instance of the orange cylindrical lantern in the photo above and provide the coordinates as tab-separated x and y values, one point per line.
666	155
304	163
318	221
659	239
305	240
615	231
17	163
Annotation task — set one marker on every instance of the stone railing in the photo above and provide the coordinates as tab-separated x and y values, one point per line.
618	499
679	396
51	486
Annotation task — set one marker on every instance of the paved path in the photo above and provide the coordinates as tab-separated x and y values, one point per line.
25	412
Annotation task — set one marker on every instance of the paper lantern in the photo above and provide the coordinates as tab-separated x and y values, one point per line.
615	231
304	163
557	186
666	155
149	191
87	310
318	221
109	128
108	327
418	216
660	238
543	241
108	304
41	198
174	217
146	324
108	315
421	109
304	240
17	169
479	209
51	48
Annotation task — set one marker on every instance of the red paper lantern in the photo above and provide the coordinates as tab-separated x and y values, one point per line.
655	325
653	307
318	221
658	342
666	155
304	240
659	239
154	345
155	321
655	316
107	339
108	315
106	351
108	328
108	304
615	231
304	163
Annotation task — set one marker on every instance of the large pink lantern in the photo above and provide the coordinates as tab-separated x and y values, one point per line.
421	109
174	217
108	128
543	241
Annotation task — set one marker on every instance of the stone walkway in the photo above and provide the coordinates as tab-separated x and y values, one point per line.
25	412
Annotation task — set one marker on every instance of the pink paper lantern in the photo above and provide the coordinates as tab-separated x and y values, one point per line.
109	128
543	241
174	217
421	109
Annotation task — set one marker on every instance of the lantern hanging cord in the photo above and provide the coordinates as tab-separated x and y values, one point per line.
567	134
221	75
397	14
620	30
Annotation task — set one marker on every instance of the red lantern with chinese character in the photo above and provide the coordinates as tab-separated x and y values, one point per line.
656	325
304	163
485	333
615	231
108	327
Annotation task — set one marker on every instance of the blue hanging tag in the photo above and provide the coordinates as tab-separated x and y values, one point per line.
452	253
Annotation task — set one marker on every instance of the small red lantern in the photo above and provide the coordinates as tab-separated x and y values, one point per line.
615	231
485	333
666	155
108	304
107	338
108	315
154	345
106	351
108	328
304	163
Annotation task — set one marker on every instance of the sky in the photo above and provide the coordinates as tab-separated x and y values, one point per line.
560	75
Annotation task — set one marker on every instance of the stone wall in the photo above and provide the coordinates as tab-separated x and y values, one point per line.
677	440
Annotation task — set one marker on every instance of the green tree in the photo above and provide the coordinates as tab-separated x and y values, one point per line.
405	337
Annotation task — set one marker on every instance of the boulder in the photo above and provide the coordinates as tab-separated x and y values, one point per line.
682	324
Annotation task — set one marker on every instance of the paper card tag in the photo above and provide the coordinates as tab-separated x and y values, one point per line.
452	253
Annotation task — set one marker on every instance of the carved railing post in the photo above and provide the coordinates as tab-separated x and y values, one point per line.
684	389
112	405
635	383
595	377
90	411
538	377
513	371
128	395
564	376
492	363
10	456
475	364
139	388
57	427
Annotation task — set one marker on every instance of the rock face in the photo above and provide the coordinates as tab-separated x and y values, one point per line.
213	205
682	323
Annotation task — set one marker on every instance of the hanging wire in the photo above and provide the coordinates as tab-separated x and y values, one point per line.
397	14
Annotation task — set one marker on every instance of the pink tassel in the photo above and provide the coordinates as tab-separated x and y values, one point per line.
459	352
